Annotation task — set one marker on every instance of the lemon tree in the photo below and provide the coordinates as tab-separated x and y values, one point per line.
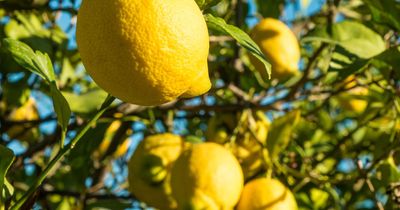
199	104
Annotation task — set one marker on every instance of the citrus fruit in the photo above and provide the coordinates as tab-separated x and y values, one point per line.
266	194
280	46
149	169
145	52
206	176
25	131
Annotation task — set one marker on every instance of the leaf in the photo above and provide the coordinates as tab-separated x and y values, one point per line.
390	56
9	189
385	12
280	133
353	37
319	198
37	63
388	171
193	139
68	74
85	103
23	55
240	36
6	159
61	106
353	68
43	62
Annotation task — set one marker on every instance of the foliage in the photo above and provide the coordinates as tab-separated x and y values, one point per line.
327	154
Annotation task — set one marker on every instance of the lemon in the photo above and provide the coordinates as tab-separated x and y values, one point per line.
26	131
206	176
149	169
145	52
280	46
266	194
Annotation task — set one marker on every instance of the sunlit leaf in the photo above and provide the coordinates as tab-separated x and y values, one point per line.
280	133
240	36
6	159
352	36
85	103
61	106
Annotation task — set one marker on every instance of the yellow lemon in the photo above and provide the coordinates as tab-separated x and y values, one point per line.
27	112
266	194
145	52
149	169
206	176
280	46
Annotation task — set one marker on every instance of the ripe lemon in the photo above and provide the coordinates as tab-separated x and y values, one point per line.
145	52
27	112
266	194
251	135
206	176
279	45
149	169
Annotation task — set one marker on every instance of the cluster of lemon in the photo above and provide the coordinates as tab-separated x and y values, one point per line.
168	173
153	52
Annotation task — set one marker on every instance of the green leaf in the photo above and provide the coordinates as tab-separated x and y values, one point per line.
37	63
8	188
6	159
280	133
356	66
61	106
193	139
388	172
352	36
219	24
319	198
85	103
68	74
385	12
23	55
391	57
43	63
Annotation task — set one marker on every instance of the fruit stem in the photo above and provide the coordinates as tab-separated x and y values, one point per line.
62	152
